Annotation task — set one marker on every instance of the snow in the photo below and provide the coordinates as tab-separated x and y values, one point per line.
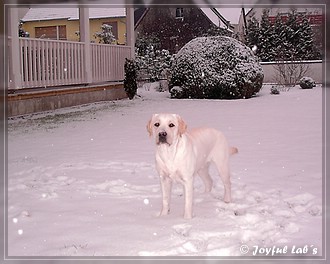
230	14
82	181
70	13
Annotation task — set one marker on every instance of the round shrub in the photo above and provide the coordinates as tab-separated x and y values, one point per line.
215	67
306	83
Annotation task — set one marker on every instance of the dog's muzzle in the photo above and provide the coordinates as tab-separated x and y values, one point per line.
162	137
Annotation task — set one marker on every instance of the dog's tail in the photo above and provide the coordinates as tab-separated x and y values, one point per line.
233	150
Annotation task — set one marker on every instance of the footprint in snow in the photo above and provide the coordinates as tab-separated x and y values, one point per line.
182	229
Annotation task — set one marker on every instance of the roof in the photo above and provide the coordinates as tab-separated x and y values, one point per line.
216	18
36	14
139	13
212	14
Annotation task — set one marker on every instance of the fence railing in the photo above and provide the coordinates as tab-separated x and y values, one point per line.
46	63
108	62
50	63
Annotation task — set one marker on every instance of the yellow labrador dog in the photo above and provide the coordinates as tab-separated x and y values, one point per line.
181	154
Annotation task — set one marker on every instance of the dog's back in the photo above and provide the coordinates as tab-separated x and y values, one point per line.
209	144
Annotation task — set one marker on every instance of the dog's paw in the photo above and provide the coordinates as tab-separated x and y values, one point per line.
187	216
227	199
164	212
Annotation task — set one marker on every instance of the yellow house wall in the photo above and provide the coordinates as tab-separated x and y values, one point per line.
72	26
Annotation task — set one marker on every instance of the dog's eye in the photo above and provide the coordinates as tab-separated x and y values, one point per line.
156	124
171	125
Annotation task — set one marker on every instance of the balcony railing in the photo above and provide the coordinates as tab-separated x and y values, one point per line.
45	63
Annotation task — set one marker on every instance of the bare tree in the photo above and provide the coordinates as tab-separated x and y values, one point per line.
288	73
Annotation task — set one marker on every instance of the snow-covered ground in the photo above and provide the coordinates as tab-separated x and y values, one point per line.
82	182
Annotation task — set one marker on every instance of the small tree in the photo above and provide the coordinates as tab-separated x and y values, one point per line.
280	41
151	61
266	37
105	35
130	84
21	31
143	45
289	73
252	35
307	47
292	36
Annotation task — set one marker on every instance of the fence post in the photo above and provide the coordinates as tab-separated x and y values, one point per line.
14	51
84	37
130	38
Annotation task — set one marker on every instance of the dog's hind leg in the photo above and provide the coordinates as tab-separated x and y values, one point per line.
223	169
206	178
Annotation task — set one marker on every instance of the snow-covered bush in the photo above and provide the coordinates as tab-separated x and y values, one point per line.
177	92
154	64
105	35
306	83
130	84
217	67
274	90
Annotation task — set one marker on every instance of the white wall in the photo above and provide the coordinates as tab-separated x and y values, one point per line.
315	71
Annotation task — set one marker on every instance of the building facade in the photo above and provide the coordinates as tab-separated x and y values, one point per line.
174	27
63	23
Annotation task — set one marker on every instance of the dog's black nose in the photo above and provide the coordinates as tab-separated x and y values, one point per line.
162	134
162	137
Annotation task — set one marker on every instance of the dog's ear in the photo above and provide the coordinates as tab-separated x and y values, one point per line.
182	125
149	127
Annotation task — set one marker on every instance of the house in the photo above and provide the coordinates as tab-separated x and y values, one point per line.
174	27
63	23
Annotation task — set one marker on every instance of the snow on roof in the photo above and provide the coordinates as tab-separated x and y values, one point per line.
36	14
212	16
230	14
219	16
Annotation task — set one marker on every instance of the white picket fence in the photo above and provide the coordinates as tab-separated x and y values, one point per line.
45	63
108	62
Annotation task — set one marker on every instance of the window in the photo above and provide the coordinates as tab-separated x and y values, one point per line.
51	32
179	13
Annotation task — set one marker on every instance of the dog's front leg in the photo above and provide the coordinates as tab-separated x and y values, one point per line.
166	184
188	193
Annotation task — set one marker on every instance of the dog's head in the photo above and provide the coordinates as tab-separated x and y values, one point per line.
166	128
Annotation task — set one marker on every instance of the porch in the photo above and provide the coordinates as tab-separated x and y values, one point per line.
22	102
48	74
